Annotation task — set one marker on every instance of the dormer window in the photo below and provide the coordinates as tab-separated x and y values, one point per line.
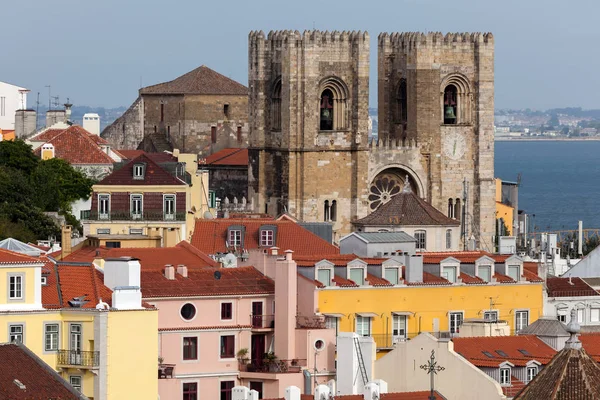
138	171
44	280
357	275
391	275
235	236
514	272
531	373
267	235
449	273
485	272
324	276
505	376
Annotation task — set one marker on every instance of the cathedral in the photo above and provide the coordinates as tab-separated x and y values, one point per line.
309	150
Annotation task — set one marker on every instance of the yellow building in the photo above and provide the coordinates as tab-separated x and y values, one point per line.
506	205
100	340
395	299
152	201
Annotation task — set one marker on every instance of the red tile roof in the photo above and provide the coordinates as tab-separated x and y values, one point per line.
156	157
76	146
339	260
377	281
39	379
204	328
202	80
43	248
467	257
384	396
235	157
591	344
569	287
97	139
154	174
203	282
11	257
473	348
46	135
210	236
471	280
150	258
343	282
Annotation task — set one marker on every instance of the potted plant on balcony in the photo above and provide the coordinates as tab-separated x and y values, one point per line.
242	356
271	361
160	360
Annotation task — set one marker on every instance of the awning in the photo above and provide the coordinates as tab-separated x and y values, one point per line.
334	315
367	314
402	313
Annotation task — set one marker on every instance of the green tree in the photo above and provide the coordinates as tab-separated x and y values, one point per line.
30	218
14	186
18	155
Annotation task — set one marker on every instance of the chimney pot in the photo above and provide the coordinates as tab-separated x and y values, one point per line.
182	270
169	272
288	255
274	251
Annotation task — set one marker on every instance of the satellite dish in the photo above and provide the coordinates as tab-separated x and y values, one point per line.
208	215
217	275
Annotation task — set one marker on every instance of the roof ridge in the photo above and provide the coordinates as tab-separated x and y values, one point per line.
228	155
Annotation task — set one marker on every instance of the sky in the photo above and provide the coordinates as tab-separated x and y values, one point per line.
98	53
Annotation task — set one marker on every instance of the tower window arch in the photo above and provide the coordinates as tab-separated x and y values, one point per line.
276	106
326	211
333	95
333	210
450	105
402	103
456	100
450	208
457	210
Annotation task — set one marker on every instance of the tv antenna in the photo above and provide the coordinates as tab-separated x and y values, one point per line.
49	96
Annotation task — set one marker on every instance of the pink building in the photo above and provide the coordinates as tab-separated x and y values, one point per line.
209	316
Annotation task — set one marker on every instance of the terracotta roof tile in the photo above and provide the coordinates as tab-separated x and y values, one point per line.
202	282
467	257
204	328
591	344
406	208
500	278
154	174
474	349
156	157
40	381
377	281
234	157
210	236
202	80
471	280
12	257
97	139
384	396
569	287
343	282
339	260
46	135
76	146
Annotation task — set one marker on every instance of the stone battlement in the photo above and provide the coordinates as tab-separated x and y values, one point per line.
392	144
411	40
312	37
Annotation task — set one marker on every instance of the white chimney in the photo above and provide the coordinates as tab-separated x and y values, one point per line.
169	272
383	386
371	391
182	270
292	393
322	392
243	393
288	255
122	276
91	123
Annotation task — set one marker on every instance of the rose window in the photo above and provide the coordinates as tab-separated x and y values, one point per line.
383	189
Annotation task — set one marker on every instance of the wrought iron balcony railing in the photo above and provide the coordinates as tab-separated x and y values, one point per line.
77	358
262	321
273	365
310	322
128	216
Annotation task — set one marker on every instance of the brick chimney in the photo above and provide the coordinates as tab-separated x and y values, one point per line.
182	270
169	272
65	240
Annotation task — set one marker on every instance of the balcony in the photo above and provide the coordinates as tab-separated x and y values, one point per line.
273	366
262	322
78	359
310	322
389	341
128	216
165	371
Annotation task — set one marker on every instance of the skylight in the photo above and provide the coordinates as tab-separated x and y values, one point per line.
488	354
524	352
501	353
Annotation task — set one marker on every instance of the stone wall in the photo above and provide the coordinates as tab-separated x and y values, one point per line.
127	131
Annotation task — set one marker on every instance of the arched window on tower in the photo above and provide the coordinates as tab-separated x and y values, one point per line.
402	103
326	110
457	210
333	210
326	211
450	208
450	105
276	106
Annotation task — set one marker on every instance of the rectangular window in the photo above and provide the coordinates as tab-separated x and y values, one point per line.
562	318
581	315
226	387
357	275
456	320
51	337
490	316
136	231
391	275
75	381
332	323
266	237
44	280
235	238
228	346
226	110
513	272
190	348
103	206
363	326
15	333
421	237
138	171
485	272
521	320
399	326
239	134
75	339
449	273
226	310
113	245
505	376
212	199
136	206
531	373
190	391
162	112
169	206
15	287
213	134
324	276
103	231
594	314
448	238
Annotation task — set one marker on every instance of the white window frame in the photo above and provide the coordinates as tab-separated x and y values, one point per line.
76	386
421	244
235	237
136	231
102	231
562	318
512	267
360	326
581	315
493	313
44	280
486	267
54	337
594	310
193	360
166	199
103	214
446	276
267	237
133	198
12	334
138	171
362	272
505	380
518	321
394	269
19	290
330	271
399	326
333	323
452	317
221	310
528	370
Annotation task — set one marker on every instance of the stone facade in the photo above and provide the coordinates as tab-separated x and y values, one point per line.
126	132
320	172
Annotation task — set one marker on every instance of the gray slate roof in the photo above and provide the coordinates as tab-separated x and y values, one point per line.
386	237
546	326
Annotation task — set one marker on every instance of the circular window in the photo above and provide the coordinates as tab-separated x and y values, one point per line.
188	311
319	345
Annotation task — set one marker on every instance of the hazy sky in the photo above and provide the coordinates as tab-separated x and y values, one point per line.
96	52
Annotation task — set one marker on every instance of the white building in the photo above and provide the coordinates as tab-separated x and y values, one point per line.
12	98
566	294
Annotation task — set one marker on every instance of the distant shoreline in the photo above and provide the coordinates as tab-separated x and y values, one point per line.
530	139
